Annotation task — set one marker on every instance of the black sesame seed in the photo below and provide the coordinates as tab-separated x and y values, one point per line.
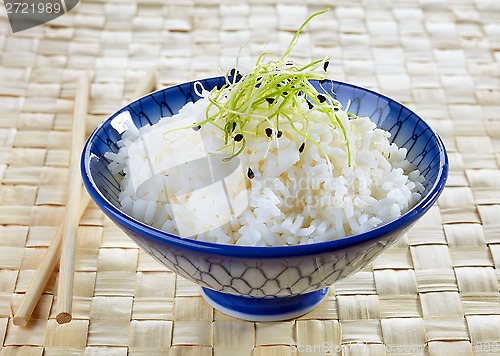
335	109
301	148
232	72
234	126
238	137
197	127
279	134
270	100
238	77
250	173
285	93
325	65
269	132
321	98
309	104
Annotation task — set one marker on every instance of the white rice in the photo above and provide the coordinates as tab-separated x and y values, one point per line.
294	198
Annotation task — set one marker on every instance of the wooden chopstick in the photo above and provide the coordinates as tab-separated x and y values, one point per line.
45	270
71	222
53	253
66	274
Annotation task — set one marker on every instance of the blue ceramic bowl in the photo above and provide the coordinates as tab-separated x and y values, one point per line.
266	283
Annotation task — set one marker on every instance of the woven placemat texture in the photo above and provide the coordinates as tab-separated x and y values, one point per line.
435	292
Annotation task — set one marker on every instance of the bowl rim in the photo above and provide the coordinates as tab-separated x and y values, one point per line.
262	252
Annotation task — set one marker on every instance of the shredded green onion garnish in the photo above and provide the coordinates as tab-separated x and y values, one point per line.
271	95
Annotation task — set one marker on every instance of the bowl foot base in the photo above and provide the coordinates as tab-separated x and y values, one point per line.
263	309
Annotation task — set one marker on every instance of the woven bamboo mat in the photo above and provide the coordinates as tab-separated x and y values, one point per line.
435	292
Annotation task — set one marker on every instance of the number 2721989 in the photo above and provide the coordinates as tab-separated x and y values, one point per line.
32	8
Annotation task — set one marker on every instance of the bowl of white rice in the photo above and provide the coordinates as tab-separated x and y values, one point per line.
264	212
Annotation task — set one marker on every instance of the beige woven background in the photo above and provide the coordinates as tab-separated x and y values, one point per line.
436	292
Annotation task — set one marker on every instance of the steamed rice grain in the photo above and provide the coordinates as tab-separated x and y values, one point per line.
295	197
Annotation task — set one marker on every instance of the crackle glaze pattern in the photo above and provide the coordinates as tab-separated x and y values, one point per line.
266	277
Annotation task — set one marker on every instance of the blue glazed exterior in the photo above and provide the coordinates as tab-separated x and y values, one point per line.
264	272
266	309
